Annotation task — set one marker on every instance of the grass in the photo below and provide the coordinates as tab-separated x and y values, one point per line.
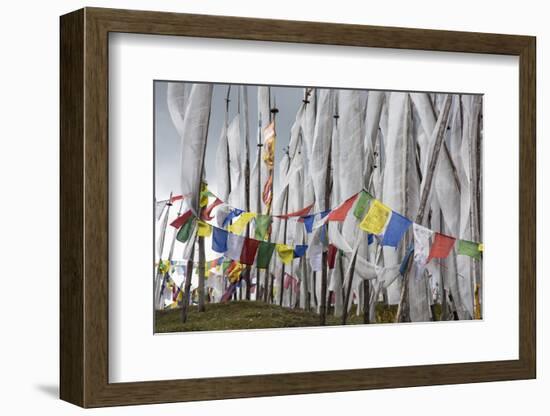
254	315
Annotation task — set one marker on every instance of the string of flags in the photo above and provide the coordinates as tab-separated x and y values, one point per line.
374	217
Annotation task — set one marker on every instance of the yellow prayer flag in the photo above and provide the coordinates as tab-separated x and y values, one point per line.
235	272
376	218
286	253
204	230
239	225
480	247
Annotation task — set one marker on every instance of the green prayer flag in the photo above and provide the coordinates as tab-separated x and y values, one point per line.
185	230
262	225
469	248
225	265
265	251
362	205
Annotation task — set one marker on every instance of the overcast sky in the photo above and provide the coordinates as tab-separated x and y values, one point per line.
288	100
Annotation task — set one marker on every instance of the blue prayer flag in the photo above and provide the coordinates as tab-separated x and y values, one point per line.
219	240
235	213
395	230
308	222
370	239
300	250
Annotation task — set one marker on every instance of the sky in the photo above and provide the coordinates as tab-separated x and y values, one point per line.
287	99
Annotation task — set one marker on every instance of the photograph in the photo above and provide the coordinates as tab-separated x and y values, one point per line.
304	206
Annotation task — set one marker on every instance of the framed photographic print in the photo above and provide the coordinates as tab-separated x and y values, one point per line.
255	207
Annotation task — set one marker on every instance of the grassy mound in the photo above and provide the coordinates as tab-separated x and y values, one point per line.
254	315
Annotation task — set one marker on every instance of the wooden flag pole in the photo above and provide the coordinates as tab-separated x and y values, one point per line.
441	127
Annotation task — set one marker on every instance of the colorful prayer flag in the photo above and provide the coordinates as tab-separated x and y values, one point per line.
331	256
397	227
362	204
265	251
300	213
441	247
422	237
235	274
184	233
234	246
309	220
239	225
182	219
233	214
219	240
205	230
248	252
340	213
262	226
206	212
376	218
469	248
286	253
300	250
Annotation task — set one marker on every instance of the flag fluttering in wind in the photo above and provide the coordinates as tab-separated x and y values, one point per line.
340	213
422	237
219	240
285	252
395	230
441	246
248	252
469	248
262	226
265	252
376	218
239	225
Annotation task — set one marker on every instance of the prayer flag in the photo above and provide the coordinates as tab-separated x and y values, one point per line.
219	240
422	237
362	204
441	246
235	273
395	230
248	253
469	248
206	212
480	247
262	226
205	230
309	220
185	232
234	246
300	213
331	256
234	213
376	218
239	225
340	213
182	219
300	250
286	253
265	251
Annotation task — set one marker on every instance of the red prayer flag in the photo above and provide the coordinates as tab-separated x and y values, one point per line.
340	213
331	256
176	198
299	213
441	246
205	215
248	253
182	219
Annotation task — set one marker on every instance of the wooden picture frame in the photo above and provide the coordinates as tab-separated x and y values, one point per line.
84	207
